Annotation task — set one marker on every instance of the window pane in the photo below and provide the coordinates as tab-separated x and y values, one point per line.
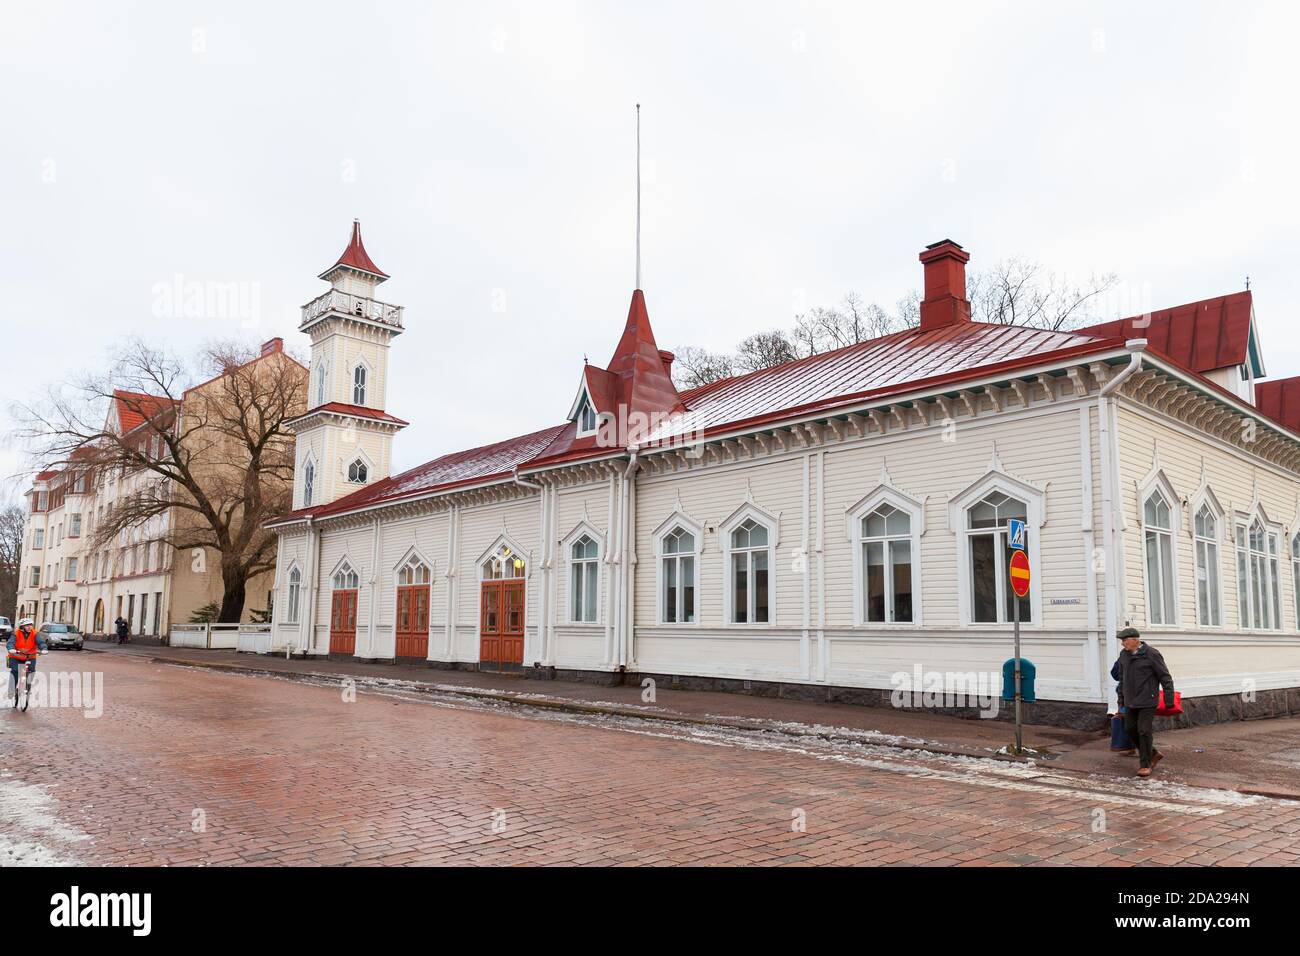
984	580
740	588
589	592
757	536
874	524
1243	587
760	586
874	581
670	590
1273	589
1154	582
575	610
901	557
1212	561
1167	577
688	586
899	522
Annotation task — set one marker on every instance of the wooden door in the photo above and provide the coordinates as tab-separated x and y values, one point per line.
490	622
413	621
343	622
512	622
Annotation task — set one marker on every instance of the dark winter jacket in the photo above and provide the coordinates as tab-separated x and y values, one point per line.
1142	674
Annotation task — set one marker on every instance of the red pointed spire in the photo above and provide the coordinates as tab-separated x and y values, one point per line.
356	257
646	385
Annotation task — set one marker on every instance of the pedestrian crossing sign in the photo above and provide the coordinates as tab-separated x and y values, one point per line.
1016	534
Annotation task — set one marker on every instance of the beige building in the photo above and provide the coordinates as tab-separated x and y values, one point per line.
137	576
831	527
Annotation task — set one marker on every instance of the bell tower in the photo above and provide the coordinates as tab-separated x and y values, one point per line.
344	441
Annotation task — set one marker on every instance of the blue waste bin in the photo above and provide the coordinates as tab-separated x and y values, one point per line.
1027	672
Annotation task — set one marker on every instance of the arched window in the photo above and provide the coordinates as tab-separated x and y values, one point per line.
677	550
359	385
308	483
1208	612
503	563
584	580
295	590
991	595
749	565
357	472
885	545
414	572
1158	542
1295	576
1258	601
320	384
345	579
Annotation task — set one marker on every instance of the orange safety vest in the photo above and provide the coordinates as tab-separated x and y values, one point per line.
25	647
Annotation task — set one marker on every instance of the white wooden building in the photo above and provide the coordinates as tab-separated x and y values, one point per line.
820	527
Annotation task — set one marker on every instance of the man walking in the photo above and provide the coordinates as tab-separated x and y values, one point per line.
1142	674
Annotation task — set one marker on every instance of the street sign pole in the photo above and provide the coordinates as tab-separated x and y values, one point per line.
1016	618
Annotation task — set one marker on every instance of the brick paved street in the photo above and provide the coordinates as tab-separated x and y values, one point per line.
274	771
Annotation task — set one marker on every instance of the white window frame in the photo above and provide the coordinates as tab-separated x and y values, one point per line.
772	523
1035	500
572	538
915	510
677	520
1205	498
322	383
1157	484
308	480
362	368
293	594
345	571
362	479
1272	532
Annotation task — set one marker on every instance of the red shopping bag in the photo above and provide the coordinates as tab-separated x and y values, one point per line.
1174	711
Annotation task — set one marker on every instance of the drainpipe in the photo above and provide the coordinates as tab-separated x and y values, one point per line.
1109	482
625	556
309	619
544	531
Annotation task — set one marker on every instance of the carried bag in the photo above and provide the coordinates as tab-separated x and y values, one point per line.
1174	711
1119	738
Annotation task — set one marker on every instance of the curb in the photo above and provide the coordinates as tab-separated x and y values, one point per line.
578	707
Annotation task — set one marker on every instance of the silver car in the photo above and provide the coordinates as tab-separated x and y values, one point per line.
64	636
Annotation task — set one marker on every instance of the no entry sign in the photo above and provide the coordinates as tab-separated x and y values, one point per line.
1019	573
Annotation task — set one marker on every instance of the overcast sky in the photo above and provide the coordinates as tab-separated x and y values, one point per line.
792	152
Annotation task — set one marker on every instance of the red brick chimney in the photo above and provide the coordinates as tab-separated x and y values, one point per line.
273	345
945	301
667	357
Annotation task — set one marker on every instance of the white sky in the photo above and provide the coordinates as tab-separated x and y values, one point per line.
792	152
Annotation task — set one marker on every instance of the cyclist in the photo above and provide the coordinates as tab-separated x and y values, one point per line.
25	644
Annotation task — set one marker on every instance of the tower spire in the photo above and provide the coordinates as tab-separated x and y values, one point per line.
638	195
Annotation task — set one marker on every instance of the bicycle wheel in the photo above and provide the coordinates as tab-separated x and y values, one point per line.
27	690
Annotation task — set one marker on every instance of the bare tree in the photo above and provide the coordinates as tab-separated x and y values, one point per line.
215	459
694	367
1016	291
1019	291
11	557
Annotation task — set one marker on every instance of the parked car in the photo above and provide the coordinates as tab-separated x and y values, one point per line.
64	636
6	628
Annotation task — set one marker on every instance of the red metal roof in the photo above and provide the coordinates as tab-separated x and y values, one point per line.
1280	401
1202	336
903	362
360	411
450	471
134	408
355	256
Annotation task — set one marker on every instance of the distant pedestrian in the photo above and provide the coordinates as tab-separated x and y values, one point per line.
1142	674
123	630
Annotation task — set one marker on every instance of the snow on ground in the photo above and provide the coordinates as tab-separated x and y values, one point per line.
30	831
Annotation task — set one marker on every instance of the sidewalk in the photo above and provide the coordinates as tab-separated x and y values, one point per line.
1260	756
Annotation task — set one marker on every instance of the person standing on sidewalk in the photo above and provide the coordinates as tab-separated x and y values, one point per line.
1142	674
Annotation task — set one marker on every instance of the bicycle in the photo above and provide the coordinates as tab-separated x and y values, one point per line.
22	688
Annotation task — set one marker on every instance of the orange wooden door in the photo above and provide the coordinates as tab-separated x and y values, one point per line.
343	622
490	622
413	621
512	622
